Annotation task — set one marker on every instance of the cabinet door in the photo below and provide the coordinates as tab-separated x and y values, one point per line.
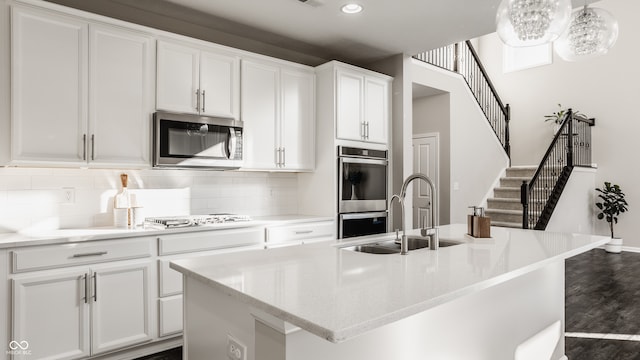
349	98
120	96
220	85
260	111
376	110
48	87
298	120
50	313
120	306
177	78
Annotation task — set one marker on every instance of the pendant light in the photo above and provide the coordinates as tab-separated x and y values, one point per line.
591	32
532	22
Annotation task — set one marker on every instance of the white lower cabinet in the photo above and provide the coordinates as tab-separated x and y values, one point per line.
50	313
79	312
183	246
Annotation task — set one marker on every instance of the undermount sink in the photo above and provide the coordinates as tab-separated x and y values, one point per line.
393	247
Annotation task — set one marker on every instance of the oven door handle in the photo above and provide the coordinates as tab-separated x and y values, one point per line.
351	160
353	216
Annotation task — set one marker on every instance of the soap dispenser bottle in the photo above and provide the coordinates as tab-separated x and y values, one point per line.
474	213
481	224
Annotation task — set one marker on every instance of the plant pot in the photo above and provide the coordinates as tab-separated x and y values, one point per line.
614	246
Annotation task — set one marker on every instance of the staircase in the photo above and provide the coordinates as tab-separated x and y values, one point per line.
517	205
505	207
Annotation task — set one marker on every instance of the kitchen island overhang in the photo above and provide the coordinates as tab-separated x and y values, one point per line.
348	297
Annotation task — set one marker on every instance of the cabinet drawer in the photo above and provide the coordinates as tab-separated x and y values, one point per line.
170	311
54	256
171	281
301	232
209	240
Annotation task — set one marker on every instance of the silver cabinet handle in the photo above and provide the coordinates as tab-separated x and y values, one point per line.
95	287
93	146
97	253
203	99
366	130
304	232
85	298
284	157
198	100
84	146
362	130
277	156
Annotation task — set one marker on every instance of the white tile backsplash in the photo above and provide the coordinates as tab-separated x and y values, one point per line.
32	198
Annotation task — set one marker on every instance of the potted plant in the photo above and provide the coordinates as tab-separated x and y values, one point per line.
558	116
611	205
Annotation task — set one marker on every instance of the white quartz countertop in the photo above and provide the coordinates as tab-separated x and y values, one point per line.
338	294
47	237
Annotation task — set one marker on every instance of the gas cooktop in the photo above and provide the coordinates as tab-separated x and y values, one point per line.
167	222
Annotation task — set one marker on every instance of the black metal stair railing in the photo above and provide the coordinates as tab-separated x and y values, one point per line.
570	147
463	59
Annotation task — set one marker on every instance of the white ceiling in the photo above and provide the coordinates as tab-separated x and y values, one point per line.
312	34
384	28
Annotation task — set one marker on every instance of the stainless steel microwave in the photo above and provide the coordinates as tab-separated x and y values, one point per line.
194	141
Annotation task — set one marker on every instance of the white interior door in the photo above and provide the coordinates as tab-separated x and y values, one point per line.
425	160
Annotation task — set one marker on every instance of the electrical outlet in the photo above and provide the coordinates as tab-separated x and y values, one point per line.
235	349
68	195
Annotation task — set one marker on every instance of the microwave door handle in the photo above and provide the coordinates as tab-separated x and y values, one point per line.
231	144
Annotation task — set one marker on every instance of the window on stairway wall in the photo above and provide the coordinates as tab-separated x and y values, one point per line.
520	58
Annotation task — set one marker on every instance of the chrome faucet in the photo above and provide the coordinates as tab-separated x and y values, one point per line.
434	242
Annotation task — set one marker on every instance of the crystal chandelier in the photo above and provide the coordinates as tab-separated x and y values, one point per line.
532	22
591	32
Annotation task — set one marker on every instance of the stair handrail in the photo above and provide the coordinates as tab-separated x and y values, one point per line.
568	159
464	60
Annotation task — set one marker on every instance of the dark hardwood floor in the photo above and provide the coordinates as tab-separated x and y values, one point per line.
602	292
601	300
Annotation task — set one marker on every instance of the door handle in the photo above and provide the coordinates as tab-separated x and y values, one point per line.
284	157
95	287
84	146
85	282
203	99
198	100
93	146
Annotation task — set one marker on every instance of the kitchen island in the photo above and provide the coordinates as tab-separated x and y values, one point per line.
482	299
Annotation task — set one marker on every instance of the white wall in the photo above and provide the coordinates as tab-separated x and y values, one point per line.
31	198
607	88
574	213
477	157
431	114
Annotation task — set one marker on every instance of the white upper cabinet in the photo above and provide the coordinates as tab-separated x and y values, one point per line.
260	113
48	86
349	97
376	109
197	80
297	131
178	78
81	93
120	96
362	106
278	103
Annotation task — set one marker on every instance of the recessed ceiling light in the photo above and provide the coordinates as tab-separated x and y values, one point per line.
351	8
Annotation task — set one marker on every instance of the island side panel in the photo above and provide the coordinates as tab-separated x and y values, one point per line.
487	325
210	316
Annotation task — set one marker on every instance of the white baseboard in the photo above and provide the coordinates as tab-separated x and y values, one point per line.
632	249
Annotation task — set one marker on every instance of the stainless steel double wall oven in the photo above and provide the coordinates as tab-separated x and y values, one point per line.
362	191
